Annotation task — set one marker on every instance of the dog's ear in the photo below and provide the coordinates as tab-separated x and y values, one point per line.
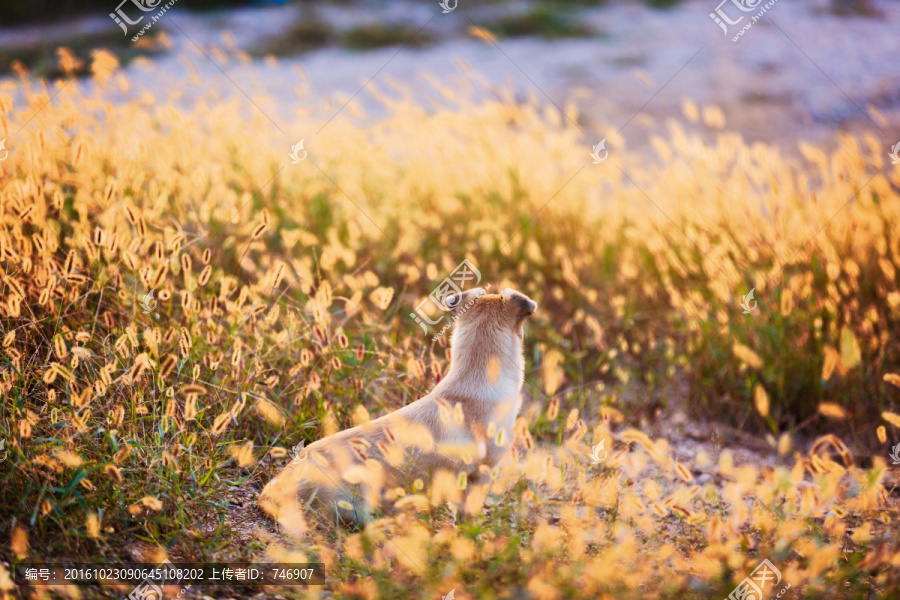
523	304
456	301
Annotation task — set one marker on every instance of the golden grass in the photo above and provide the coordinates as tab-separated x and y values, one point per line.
282	298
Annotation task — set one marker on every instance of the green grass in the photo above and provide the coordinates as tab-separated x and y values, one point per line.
309	32
379	35
544	20
661	4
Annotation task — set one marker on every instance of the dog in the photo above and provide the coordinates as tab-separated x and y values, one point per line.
464	425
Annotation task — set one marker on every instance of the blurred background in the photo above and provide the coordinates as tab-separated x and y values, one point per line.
817	66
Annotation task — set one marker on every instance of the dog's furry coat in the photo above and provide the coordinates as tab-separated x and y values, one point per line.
464	425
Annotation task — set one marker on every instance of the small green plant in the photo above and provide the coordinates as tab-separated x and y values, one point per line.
378	35
308	33
544	20
661	4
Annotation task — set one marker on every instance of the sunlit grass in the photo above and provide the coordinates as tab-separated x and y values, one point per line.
282	304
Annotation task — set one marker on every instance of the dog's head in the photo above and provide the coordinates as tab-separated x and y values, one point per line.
506	311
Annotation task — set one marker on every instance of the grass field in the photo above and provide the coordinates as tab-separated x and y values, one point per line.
280	313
